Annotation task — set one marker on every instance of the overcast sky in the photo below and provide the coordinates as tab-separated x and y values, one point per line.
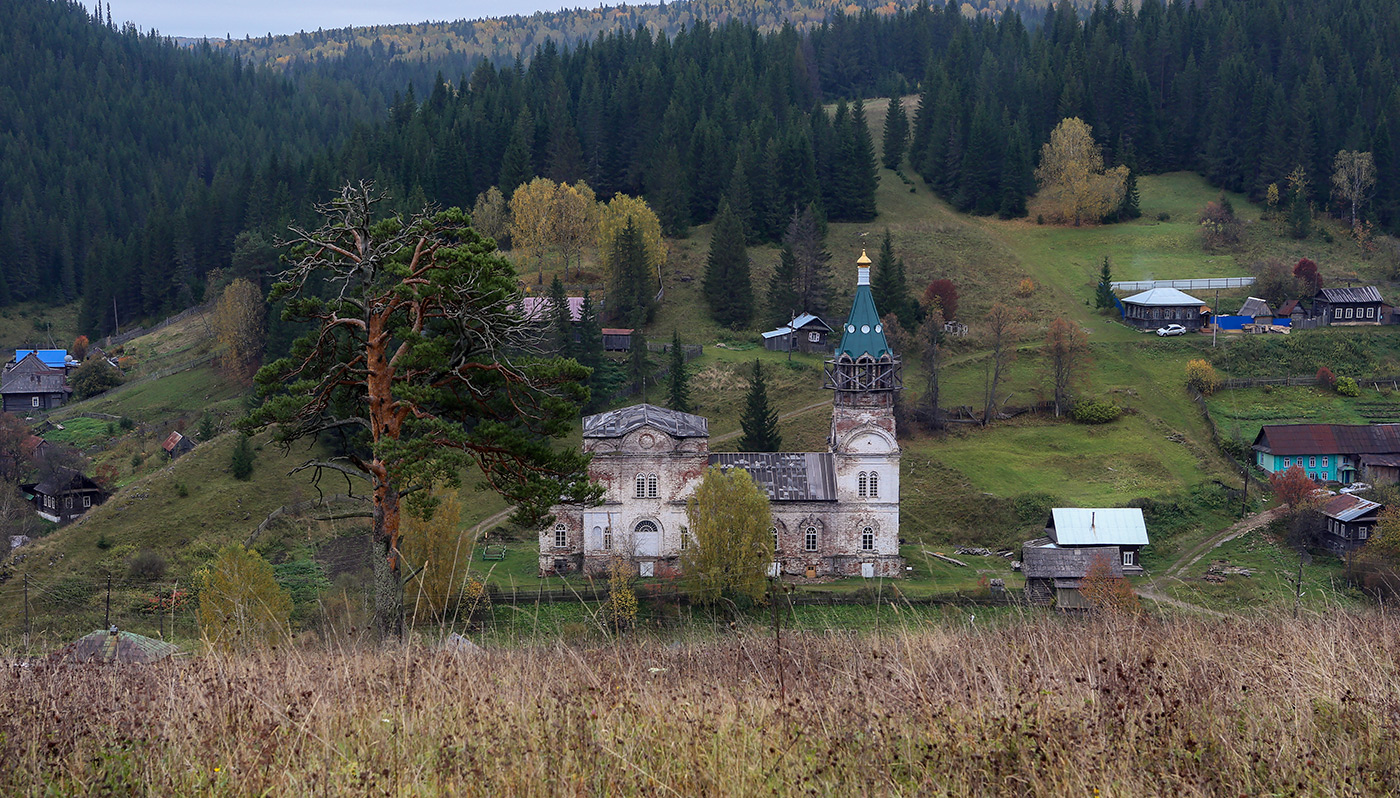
259	17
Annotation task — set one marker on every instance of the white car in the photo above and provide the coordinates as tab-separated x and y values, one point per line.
1171	329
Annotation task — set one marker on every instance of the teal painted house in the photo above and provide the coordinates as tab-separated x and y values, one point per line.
1328	452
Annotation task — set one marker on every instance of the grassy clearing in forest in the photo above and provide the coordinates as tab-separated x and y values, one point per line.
948	706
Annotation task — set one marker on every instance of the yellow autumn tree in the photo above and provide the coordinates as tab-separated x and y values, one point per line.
575	218
532	219
1202	376
442	550
241	606
239	328
491	215
1074	187
614	220
730	541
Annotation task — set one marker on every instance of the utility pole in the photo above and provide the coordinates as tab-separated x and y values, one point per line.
1298	591
107	616
1214	323
26	613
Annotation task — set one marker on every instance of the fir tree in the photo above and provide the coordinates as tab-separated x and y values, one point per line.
560	320
517	165
759	422
896	134
678	386
888	287
783	298
1103	294
1129	208
728	287
241	462
638	358
805	238
589	353
632	285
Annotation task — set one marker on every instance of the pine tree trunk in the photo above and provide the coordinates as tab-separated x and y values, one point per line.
387	565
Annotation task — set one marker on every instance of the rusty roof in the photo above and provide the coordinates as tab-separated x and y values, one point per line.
1349	508
787	476
172	441
1291	439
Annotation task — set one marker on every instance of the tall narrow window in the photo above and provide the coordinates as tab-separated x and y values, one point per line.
607	539
651	486
641	486
860	485
87	501
867	539
561	536
774	530
811	538
874	485
685	538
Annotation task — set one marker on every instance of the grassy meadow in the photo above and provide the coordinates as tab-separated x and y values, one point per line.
1032	704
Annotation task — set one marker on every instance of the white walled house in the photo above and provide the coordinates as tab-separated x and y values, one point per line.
835	513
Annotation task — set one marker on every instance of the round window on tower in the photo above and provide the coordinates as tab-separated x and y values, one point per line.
850	328
879	328
865	328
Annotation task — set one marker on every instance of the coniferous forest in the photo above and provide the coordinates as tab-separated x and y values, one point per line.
130	167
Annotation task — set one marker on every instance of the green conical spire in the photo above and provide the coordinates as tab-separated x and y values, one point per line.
863	333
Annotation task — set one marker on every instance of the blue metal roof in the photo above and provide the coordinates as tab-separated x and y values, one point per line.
53	358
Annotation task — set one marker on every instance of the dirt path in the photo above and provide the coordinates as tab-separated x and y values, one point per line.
1176	571
784	417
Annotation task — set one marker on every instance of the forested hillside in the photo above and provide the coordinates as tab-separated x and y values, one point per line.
126	162
131	166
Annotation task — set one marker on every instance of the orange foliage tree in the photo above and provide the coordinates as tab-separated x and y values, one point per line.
1293	487
1109	592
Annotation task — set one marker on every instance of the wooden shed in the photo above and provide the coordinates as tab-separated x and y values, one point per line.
1054	575
805	333
617	339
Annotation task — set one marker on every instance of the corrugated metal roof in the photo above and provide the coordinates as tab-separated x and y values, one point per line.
616	423
537	308
1052	562
1384	460
1254	306
1097	526
1294	439
806	320
1162	297
787	476
1361	293
35	382
1349	508
53	358
1287	308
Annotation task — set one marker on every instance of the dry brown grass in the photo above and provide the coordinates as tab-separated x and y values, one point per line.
1042	707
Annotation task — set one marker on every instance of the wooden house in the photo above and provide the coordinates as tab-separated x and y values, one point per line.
176	444
1055	575
805	333
1119	528
1158	307
617	339
1350	522
1258	310
1330	452
1348	306
29	385
65	495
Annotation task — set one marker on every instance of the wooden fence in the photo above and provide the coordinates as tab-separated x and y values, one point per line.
1259	382
890	593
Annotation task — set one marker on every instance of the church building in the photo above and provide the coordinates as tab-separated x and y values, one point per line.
835	513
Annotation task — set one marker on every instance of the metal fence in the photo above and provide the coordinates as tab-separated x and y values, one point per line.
1189	284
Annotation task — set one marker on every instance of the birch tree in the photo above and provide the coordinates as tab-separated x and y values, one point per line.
1072	177
1353	177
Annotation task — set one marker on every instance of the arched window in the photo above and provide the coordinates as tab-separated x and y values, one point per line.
811	538
774	530
860	485
561	536
641	486
651	486
874	485
867	539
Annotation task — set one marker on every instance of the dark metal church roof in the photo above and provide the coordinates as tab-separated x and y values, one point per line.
787	476
616	423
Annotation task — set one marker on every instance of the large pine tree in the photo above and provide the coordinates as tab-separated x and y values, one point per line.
759	421
728	286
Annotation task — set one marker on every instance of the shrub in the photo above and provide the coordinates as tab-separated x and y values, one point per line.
1095	412
126	424
1326	377
241	462
1164	217
146	566
1034	508
1346	386
1202	376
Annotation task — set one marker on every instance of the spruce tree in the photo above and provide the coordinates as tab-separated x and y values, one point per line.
638	358
889	287
804	236
783	299
589	352
759	422
241	462
1103	294
896	133
678	386
517	165
728	287
632	286
1129	208
560	320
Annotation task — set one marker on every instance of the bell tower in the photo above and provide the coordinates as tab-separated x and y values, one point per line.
864	372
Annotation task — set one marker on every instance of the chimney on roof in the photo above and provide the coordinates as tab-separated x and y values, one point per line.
1092	516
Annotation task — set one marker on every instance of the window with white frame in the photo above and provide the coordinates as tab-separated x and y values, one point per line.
607	538
774	530
685	538
860	485
814	337
1285	462
33	401
1312	462
1363	531
561	536
68	502
811	538
1370	313
1130	558
874	485
87	501
641	486
867	539
1324	461
651	486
